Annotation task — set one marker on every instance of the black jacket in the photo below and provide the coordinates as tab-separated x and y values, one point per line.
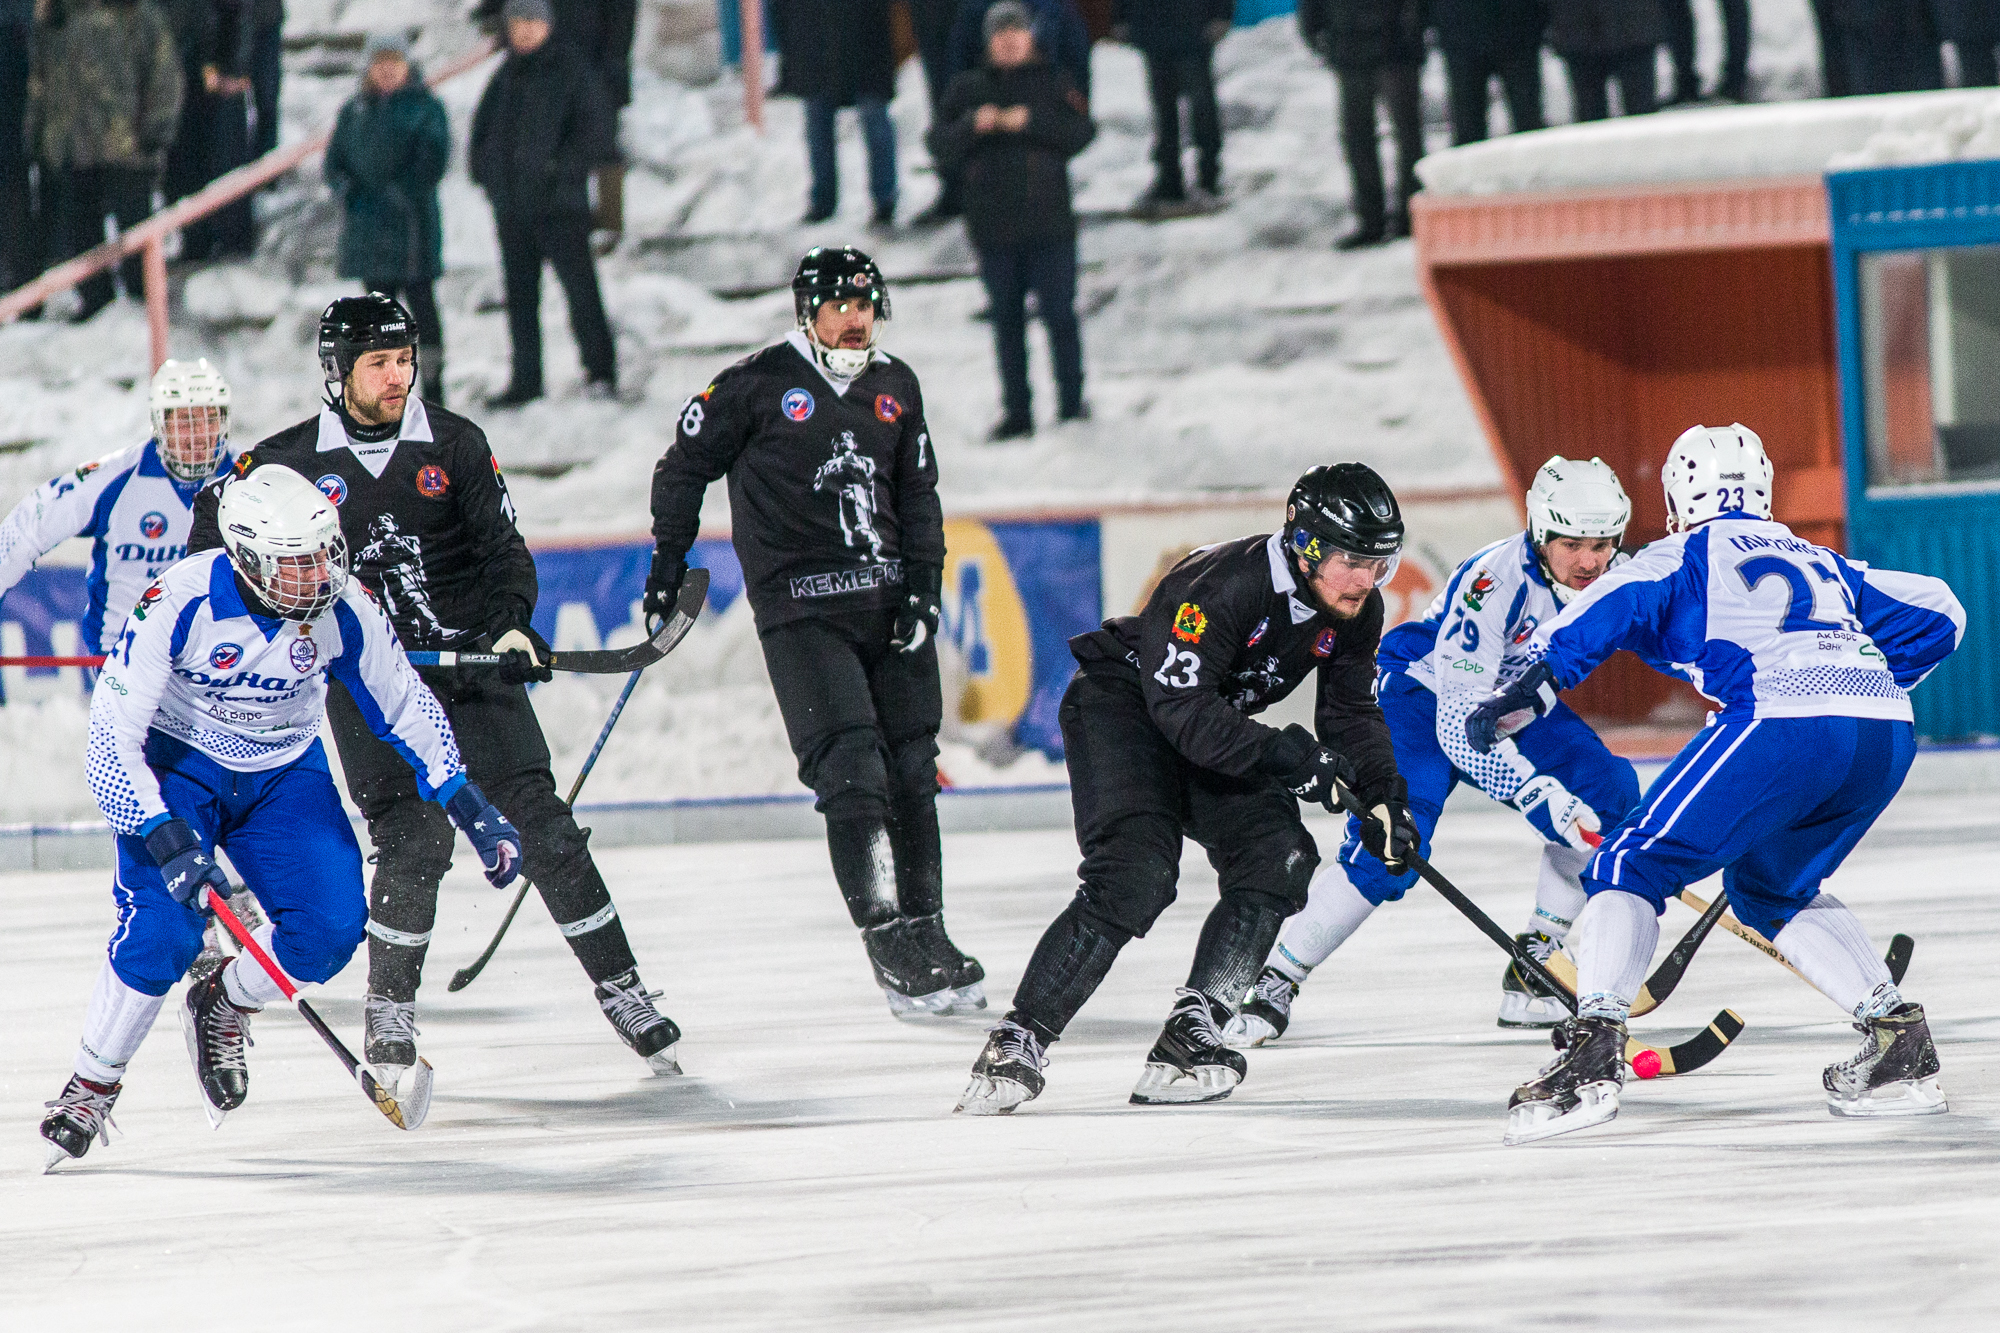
1489	27
834	50
830	495
601	31
1016	184
1225	636
1170	27
543	124
1366	34
433	538
1604	27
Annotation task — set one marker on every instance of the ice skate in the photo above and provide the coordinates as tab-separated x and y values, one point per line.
80	1114
390	1027
629	1005
1267	1012
1190	1063
1896	1072
1577	1089
968	991
1524	1001
1007	1073
218	1034
912	978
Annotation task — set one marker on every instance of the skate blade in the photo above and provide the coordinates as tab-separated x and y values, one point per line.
56	1156
992	1096
1169	1085
1248	1030
935	1004
665	1062
216	1114
389	1077
1534	1121
966	999
1520	1010
1904	1097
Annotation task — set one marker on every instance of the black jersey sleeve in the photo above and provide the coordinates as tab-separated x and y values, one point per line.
918	511
1189	634
506	569
713	429
1348	718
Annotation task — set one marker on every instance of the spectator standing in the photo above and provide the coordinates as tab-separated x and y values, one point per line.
1487	39
1010	128
1060	37
1376	49
602	30
105	90
1178	39
543	125
18	263
932	21
1832	47
1892	46
1973	29
266	71
389	151
1734	84
834	54
1603	41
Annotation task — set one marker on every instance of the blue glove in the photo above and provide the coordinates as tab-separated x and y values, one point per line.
185	867
498	845
1534	692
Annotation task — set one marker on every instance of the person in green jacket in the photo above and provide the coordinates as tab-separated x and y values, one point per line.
388	153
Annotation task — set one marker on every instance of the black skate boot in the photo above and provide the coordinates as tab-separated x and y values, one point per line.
391	1030
1577	1089
629	1005
1266	1014
1189	1063
81	1114
218	1033
1896	1072
912	977
967	977
1007	1073
1524	1001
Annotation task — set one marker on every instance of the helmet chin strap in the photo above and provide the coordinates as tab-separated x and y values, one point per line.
843	363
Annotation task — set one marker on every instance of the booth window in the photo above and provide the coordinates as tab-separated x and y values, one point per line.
1930	341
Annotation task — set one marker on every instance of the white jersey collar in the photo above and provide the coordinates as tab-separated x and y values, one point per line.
1283	581
803	346
416	425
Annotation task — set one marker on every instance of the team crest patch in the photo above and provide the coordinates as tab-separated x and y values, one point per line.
147	598
1257	635
797	404
431	481
1323	645
305	654
242	464
87	469
887	408
1189	623
153	526
225	655
1527	630
334	487
1475	596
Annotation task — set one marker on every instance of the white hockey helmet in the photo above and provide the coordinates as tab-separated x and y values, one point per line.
1572	498
284	538
198	397
1716	470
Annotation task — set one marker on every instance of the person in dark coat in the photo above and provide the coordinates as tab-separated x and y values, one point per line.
1973	29
1376	49
932	22
1178	39
833	54
1891	46
1603	41
18	259
1010	127
1487	39
1734	84
389	151
543	125
1060	37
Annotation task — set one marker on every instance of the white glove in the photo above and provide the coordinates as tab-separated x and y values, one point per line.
513	641
1569	818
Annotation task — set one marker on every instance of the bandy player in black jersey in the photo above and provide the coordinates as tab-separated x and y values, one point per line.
834	511
1161	742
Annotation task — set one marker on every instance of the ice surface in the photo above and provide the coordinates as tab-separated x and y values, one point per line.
808	1174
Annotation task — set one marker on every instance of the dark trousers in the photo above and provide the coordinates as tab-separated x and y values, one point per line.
1048	269
1135	800
89	195
1735	50
823	156
933	19
1170	78
1469	78
419	297
563	240
506	758
213	139
1894	49
1396	86
18	260
1590	77
1973	27
863	720
267	72
1832	49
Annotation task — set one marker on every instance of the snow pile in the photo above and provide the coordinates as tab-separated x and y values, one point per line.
1934	131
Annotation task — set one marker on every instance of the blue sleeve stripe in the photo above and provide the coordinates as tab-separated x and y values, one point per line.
346	668
100	513
182	628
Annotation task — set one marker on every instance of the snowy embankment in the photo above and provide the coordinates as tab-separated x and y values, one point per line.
1225	354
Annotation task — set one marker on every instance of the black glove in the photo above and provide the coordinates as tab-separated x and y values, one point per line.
524	656
1390	835
1534	692
917	617
1308	769
185	867
663	584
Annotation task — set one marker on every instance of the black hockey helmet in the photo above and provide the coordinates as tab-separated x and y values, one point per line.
356	324
1344	507
836	272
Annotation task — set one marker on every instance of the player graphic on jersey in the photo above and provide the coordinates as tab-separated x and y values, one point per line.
852	474
398	557
1810	656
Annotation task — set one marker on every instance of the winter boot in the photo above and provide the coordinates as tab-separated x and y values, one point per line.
1267	1012
1007	1073
911	976
966	976
218	1034
391	1030
1524	1001
1896	1072
1189	1063
629	1006
81	1114
1577	1089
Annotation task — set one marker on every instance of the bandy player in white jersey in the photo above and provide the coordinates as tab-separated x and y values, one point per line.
204	733
136	505
1810	656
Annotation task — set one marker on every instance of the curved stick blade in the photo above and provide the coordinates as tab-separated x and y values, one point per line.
1898	958
1687	1056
